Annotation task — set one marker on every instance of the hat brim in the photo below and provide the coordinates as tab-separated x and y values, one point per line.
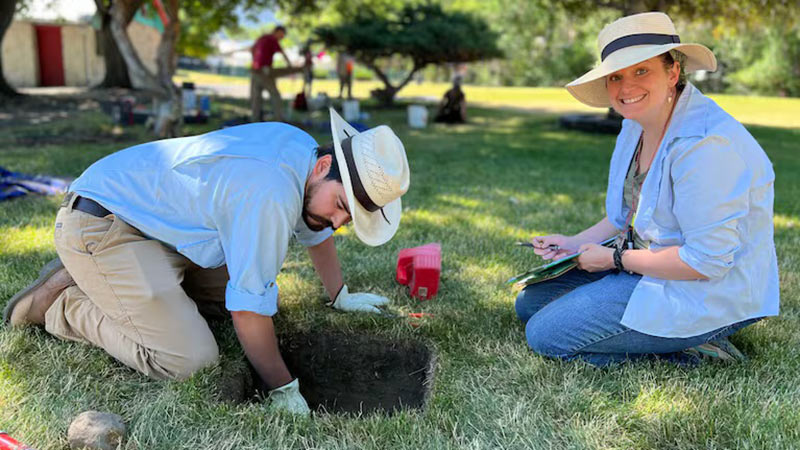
370	227
590	89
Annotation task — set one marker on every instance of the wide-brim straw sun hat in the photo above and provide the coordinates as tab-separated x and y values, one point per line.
375	174
631	40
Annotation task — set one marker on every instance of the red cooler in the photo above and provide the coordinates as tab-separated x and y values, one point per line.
420	268
9	443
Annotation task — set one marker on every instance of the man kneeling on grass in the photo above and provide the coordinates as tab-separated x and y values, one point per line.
151	236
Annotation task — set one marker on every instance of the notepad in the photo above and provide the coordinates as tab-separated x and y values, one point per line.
553	269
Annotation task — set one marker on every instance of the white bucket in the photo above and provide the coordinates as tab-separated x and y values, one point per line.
351	110
189	101
417	116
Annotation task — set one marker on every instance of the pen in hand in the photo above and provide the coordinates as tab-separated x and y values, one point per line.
552	247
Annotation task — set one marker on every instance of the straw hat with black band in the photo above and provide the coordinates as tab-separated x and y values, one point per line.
631	40
375	174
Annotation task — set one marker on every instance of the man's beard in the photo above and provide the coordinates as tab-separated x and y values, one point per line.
319	223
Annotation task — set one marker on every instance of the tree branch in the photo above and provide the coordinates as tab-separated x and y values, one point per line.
372	66
410	75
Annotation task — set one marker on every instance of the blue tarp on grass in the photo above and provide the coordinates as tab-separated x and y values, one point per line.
13	184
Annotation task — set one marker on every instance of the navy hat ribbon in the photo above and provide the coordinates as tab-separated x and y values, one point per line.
639	39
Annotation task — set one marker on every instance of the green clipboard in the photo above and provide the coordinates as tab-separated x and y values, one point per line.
553	269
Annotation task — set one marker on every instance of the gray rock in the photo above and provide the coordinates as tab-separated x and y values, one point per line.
96	431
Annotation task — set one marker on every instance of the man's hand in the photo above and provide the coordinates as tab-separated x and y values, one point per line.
362	301
288	398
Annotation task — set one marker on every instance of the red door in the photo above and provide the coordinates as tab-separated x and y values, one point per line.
51	61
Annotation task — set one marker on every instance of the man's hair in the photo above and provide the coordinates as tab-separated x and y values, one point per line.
669	59
279	28
333	173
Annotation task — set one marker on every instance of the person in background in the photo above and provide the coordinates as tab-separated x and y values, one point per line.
344	69
308	69
453	106
690	199
264	76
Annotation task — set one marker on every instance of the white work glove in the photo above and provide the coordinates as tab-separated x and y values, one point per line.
288	398
360	301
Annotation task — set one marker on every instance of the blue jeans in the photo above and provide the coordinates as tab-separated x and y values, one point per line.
578	314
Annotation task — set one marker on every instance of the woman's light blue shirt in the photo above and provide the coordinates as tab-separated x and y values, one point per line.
709	191
233	196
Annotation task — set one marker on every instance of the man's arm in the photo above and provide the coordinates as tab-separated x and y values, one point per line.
288	62
256	333
254	234
326	263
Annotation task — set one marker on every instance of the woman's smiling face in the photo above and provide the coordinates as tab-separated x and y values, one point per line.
639	92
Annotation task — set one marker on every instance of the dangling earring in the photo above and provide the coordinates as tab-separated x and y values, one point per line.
669	99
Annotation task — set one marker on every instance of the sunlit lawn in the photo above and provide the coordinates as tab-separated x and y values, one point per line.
766	111
476	189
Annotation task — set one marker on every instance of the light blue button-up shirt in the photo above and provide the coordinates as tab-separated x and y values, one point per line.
709	191
233	196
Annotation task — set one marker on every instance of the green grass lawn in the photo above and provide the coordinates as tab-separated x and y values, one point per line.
476	189
766	111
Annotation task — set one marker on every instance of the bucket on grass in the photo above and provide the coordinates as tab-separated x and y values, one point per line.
351	110
417	116
189	98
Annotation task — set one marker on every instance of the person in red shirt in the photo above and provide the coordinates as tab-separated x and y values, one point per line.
263	75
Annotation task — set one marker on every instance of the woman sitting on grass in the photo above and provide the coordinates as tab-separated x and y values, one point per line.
690	196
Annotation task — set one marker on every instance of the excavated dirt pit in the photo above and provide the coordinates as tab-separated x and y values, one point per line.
346	373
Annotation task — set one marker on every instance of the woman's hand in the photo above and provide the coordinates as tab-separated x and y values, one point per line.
553	246
595	258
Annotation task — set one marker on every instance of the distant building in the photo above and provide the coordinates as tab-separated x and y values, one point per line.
43	53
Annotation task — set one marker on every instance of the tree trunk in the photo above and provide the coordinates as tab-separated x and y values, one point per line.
140	77
7	8
116	70
170	114
167	105
385	96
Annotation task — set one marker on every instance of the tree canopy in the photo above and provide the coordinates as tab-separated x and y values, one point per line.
423	34
740	11
201	19
551	42
547	42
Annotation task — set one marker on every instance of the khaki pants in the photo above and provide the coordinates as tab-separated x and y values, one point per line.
135	297
265	79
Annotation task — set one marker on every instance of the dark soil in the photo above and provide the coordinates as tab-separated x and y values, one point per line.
349	373
236	383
